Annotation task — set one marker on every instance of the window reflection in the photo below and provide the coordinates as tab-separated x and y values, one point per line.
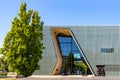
72	58
68	45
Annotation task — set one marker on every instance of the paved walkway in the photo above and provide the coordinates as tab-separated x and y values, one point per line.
69	78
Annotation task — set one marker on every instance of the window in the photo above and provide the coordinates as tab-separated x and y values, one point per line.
107	50
70	54
67	45
77	56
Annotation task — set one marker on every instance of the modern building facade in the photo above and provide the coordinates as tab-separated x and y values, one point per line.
96	47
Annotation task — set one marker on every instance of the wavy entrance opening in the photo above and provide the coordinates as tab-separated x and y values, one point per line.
70	59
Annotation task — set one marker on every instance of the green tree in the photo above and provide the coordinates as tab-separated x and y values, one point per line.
1	64
23	43
69	63
1	60
82	65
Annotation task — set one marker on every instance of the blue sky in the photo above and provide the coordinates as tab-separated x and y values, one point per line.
62	12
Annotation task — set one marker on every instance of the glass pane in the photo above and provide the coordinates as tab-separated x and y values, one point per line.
67	45
107	50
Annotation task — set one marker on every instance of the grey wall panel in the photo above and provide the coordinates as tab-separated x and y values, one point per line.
49	57
92	39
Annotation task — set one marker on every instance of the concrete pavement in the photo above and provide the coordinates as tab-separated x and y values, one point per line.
68	78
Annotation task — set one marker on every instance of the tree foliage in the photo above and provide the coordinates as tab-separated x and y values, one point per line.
23	43
69	63
82	65
1	64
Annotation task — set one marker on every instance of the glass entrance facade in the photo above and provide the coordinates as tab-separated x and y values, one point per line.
73	62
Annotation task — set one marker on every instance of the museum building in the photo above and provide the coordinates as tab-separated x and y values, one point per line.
81	50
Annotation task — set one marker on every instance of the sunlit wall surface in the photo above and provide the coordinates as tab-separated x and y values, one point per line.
100	46
49	59
93	39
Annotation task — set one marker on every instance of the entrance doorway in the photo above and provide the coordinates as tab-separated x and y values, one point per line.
73	61
100	70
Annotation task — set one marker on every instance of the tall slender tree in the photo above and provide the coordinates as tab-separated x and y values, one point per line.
23	43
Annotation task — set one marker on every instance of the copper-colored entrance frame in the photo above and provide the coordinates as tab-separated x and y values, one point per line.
66	32
55	32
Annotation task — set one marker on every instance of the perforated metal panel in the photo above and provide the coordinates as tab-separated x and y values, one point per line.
49	56
91	39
